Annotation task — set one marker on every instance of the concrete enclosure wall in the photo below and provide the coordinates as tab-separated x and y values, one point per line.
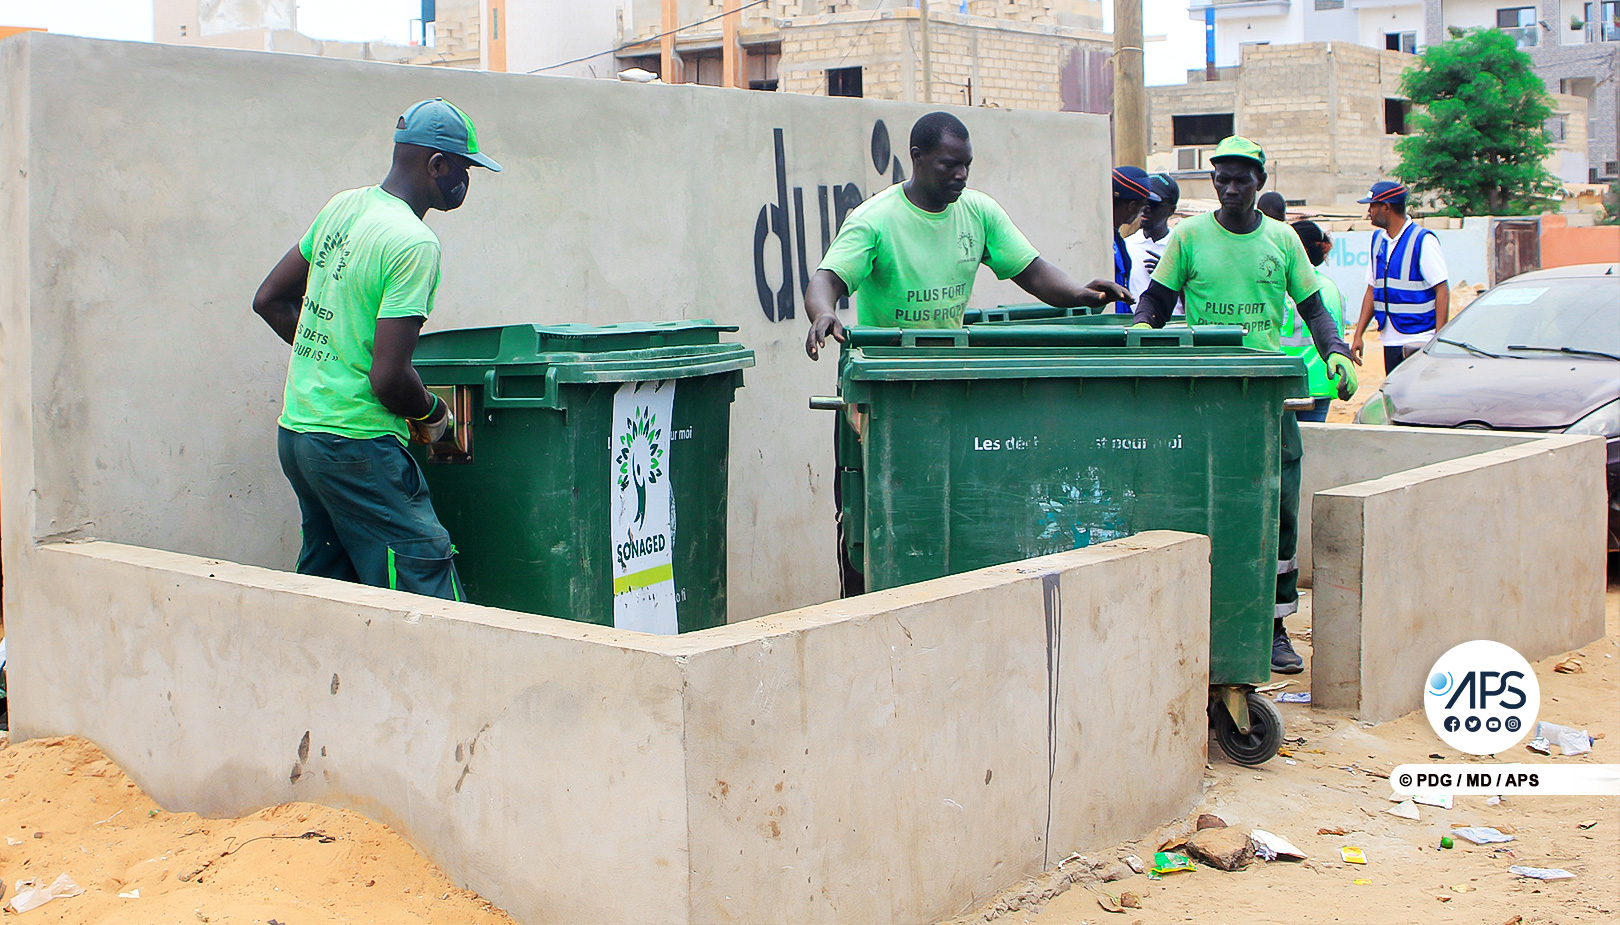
1505	545
131	258
1343	454
899	757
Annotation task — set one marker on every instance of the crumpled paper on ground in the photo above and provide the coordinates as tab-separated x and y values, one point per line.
30	895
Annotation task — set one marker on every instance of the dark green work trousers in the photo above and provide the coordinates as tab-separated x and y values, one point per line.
1288	522
367	515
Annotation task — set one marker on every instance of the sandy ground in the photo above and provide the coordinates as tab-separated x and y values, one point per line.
66	809
1408	878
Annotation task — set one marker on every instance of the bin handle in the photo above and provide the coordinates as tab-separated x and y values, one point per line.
493	399
1164	337
826	403
925	337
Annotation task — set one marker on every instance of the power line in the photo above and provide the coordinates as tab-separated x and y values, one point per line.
654	38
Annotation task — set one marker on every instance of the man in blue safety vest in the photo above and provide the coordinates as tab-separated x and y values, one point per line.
1407	288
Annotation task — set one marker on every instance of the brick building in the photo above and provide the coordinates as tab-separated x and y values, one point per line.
1025	54
1328	114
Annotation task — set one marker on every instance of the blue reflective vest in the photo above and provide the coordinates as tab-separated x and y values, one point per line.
1122	272
1399	289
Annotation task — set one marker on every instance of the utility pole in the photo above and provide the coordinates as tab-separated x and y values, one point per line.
927	55
728	47
1130	92
666	44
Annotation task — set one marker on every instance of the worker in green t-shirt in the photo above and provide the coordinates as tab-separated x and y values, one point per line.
911	252
351	297
1236	266
1296	339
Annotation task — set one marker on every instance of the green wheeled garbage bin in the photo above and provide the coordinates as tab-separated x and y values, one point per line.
586	476
1003	442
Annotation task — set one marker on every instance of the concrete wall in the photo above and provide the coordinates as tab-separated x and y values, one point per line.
1563	246
1505	545
1344	454
899	757
129	347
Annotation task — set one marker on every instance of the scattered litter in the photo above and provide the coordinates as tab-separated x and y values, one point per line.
1587	824
1541	873
1294	697
1289	761
1406	810
1444	899
1353	855
12	841
1135	863
1269	847
1442	800
1108	902
1268	688
1168	862
132	894
1361	882
1462	888
1514	921
1130	900
1571	665
1437	756
1333	831
1208	821
1493	801
30	895
1481	834
1570	741
1446	842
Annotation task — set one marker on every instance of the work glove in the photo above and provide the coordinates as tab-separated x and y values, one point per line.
1341	370
431	428
1142	325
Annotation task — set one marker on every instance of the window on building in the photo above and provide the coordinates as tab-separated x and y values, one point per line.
844	81
1322	5
495	24
1584	87
1401	41
1395	113
1603	21
761	65
1206	129
1519	22
1555	130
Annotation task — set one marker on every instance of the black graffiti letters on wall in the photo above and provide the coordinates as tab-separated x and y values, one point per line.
785	220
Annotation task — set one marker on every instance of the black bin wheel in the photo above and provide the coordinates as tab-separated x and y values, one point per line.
1265	733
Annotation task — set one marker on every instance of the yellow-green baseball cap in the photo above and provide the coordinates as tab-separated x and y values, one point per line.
441	126
1238	146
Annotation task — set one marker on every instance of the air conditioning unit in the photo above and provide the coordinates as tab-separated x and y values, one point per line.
1189	158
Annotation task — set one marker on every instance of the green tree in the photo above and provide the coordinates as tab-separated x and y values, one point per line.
1479	140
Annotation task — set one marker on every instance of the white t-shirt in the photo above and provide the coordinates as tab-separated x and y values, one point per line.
1145	253
1432	267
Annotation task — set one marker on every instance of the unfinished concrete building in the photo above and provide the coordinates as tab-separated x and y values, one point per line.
1021	54
1327	113
454	37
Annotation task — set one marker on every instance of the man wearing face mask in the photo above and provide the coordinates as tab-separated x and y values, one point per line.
351	298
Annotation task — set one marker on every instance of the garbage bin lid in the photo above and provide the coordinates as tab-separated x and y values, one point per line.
533	343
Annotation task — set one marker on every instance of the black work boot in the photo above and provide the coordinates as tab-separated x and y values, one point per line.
1284	660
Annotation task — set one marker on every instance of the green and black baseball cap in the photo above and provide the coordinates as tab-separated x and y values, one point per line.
438	125
1238	147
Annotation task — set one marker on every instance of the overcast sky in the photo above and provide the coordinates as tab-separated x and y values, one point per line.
389	20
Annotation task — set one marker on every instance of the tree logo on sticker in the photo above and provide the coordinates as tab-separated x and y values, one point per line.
640	457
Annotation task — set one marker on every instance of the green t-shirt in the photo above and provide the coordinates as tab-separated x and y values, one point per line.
1296	337
915	269
369	257
1227	278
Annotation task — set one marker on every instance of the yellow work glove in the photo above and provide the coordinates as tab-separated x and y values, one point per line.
1143	324
1341	370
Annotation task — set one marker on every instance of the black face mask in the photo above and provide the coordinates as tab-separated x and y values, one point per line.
454	192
